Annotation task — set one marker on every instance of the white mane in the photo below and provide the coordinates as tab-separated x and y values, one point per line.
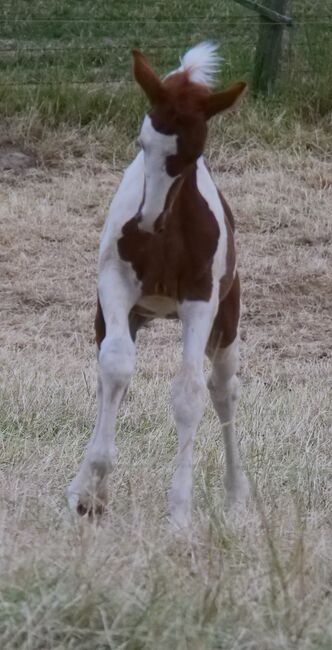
202	63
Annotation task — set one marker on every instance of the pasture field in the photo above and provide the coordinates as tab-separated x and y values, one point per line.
262	582
259	582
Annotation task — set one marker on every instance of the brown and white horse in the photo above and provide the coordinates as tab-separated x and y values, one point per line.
167	250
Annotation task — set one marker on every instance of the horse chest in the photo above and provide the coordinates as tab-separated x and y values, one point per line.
166	265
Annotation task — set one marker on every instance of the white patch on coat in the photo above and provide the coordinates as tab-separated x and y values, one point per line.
125	204
157	147
208	190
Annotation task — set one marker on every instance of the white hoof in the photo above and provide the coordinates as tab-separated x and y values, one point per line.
84	502
179	520
87	493
238	491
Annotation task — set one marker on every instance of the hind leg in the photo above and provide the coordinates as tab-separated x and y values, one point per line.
224	388
188	401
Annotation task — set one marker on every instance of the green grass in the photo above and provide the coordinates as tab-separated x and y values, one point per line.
65	60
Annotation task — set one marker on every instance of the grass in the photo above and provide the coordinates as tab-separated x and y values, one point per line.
262	583
65	61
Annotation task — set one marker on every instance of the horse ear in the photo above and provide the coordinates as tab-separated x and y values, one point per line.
147	78
218	102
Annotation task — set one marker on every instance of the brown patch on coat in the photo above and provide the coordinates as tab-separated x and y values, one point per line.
226	322
182	107
225	326
100	328
181	114
176	261
227	280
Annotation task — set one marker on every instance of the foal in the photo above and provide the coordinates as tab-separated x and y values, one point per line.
167	250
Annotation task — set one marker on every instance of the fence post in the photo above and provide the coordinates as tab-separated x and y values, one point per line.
268	50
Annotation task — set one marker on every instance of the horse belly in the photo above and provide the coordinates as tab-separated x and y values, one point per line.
158	306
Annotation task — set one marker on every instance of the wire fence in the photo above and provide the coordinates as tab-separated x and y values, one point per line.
95	52
242	19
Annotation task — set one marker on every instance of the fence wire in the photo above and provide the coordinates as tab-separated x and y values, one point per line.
44	52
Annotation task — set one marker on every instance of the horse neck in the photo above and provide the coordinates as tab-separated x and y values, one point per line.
157	188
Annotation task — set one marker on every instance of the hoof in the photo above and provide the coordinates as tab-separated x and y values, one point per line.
238	492
87	493
179	522
86	505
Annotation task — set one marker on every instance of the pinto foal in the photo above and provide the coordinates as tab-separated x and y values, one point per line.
167	250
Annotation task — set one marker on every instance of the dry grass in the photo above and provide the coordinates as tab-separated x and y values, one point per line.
263	583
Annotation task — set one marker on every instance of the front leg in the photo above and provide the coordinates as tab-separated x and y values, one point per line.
87	492
188	400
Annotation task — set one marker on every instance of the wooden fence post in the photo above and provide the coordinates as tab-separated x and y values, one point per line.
268	50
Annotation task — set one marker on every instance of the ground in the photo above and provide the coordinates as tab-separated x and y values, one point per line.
263	582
